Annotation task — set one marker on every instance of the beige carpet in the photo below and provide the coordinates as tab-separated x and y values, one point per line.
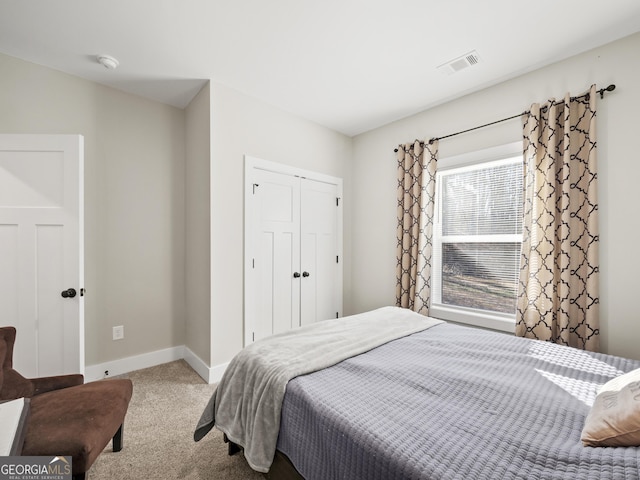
158	432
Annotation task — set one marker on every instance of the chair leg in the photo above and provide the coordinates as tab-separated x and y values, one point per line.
80	476
117	440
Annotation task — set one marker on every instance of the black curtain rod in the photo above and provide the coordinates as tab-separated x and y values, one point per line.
602	91
610	88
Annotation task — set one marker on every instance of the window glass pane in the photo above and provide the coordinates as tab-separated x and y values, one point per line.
480	275
477	237
484	201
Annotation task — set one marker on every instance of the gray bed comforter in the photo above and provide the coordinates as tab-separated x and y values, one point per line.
247	402
453	403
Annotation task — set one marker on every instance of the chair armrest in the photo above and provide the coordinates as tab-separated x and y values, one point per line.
47	384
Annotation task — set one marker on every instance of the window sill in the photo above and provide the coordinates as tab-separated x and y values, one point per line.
493	321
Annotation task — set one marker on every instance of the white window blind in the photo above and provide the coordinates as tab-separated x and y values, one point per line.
477	238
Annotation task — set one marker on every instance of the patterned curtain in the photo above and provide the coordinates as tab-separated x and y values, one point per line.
558	287
416	195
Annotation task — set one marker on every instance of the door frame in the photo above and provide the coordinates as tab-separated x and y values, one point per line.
250	165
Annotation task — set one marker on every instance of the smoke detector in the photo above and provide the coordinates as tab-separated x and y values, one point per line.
465	61
107	61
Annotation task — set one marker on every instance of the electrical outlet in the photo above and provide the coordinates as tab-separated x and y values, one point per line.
118	332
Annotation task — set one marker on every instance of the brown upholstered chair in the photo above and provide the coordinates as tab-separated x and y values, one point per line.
67	416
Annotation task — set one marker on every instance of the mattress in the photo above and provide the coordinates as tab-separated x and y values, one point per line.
453	402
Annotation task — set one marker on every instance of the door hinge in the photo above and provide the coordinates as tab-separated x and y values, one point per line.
337	201
253	336
337	315
254	187
337	259
253	263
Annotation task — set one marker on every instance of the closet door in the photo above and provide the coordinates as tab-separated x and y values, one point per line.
293	238
318	251
275	302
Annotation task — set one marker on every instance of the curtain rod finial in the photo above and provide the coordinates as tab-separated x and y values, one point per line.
610	88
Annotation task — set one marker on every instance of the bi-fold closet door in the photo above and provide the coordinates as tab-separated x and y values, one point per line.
293	238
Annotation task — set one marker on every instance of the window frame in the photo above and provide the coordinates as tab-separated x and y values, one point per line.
469	316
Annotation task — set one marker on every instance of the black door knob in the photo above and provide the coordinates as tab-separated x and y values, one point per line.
305	274
296	274
69	293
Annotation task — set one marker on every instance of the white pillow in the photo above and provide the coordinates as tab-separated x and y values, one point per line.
614	419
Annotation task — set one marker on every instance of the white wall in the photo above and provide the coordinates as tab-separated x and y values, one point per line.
374	192
242	125
198	225
134	201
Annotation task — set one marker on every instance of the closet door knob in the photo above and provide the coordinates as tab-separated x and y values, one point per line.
69	293
296	274
305	274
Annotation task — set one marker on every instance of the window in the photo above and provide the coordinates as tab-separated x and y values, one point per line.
477	238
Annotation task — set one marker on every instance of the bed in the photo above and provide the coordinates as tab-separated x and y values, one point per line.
440	402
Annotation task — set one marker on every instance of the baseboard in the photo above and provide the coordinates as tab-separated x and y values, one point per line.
208	374
129	364
217	371
151	359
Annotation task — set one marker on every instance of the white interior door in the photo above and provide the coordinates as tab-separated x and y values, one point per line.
319	298
275	203
41	251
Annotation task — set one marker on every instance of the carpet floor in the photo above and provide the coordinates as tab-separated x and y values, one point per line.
158	432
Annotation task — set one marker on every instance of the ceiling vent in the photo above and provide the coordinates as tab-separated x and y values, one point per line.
465	61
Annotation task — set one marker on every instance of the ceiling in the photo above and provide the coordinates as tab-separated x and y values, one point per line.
350	65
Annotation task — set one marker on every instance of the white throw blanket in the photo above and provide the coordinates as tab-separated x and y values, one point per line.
247	402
